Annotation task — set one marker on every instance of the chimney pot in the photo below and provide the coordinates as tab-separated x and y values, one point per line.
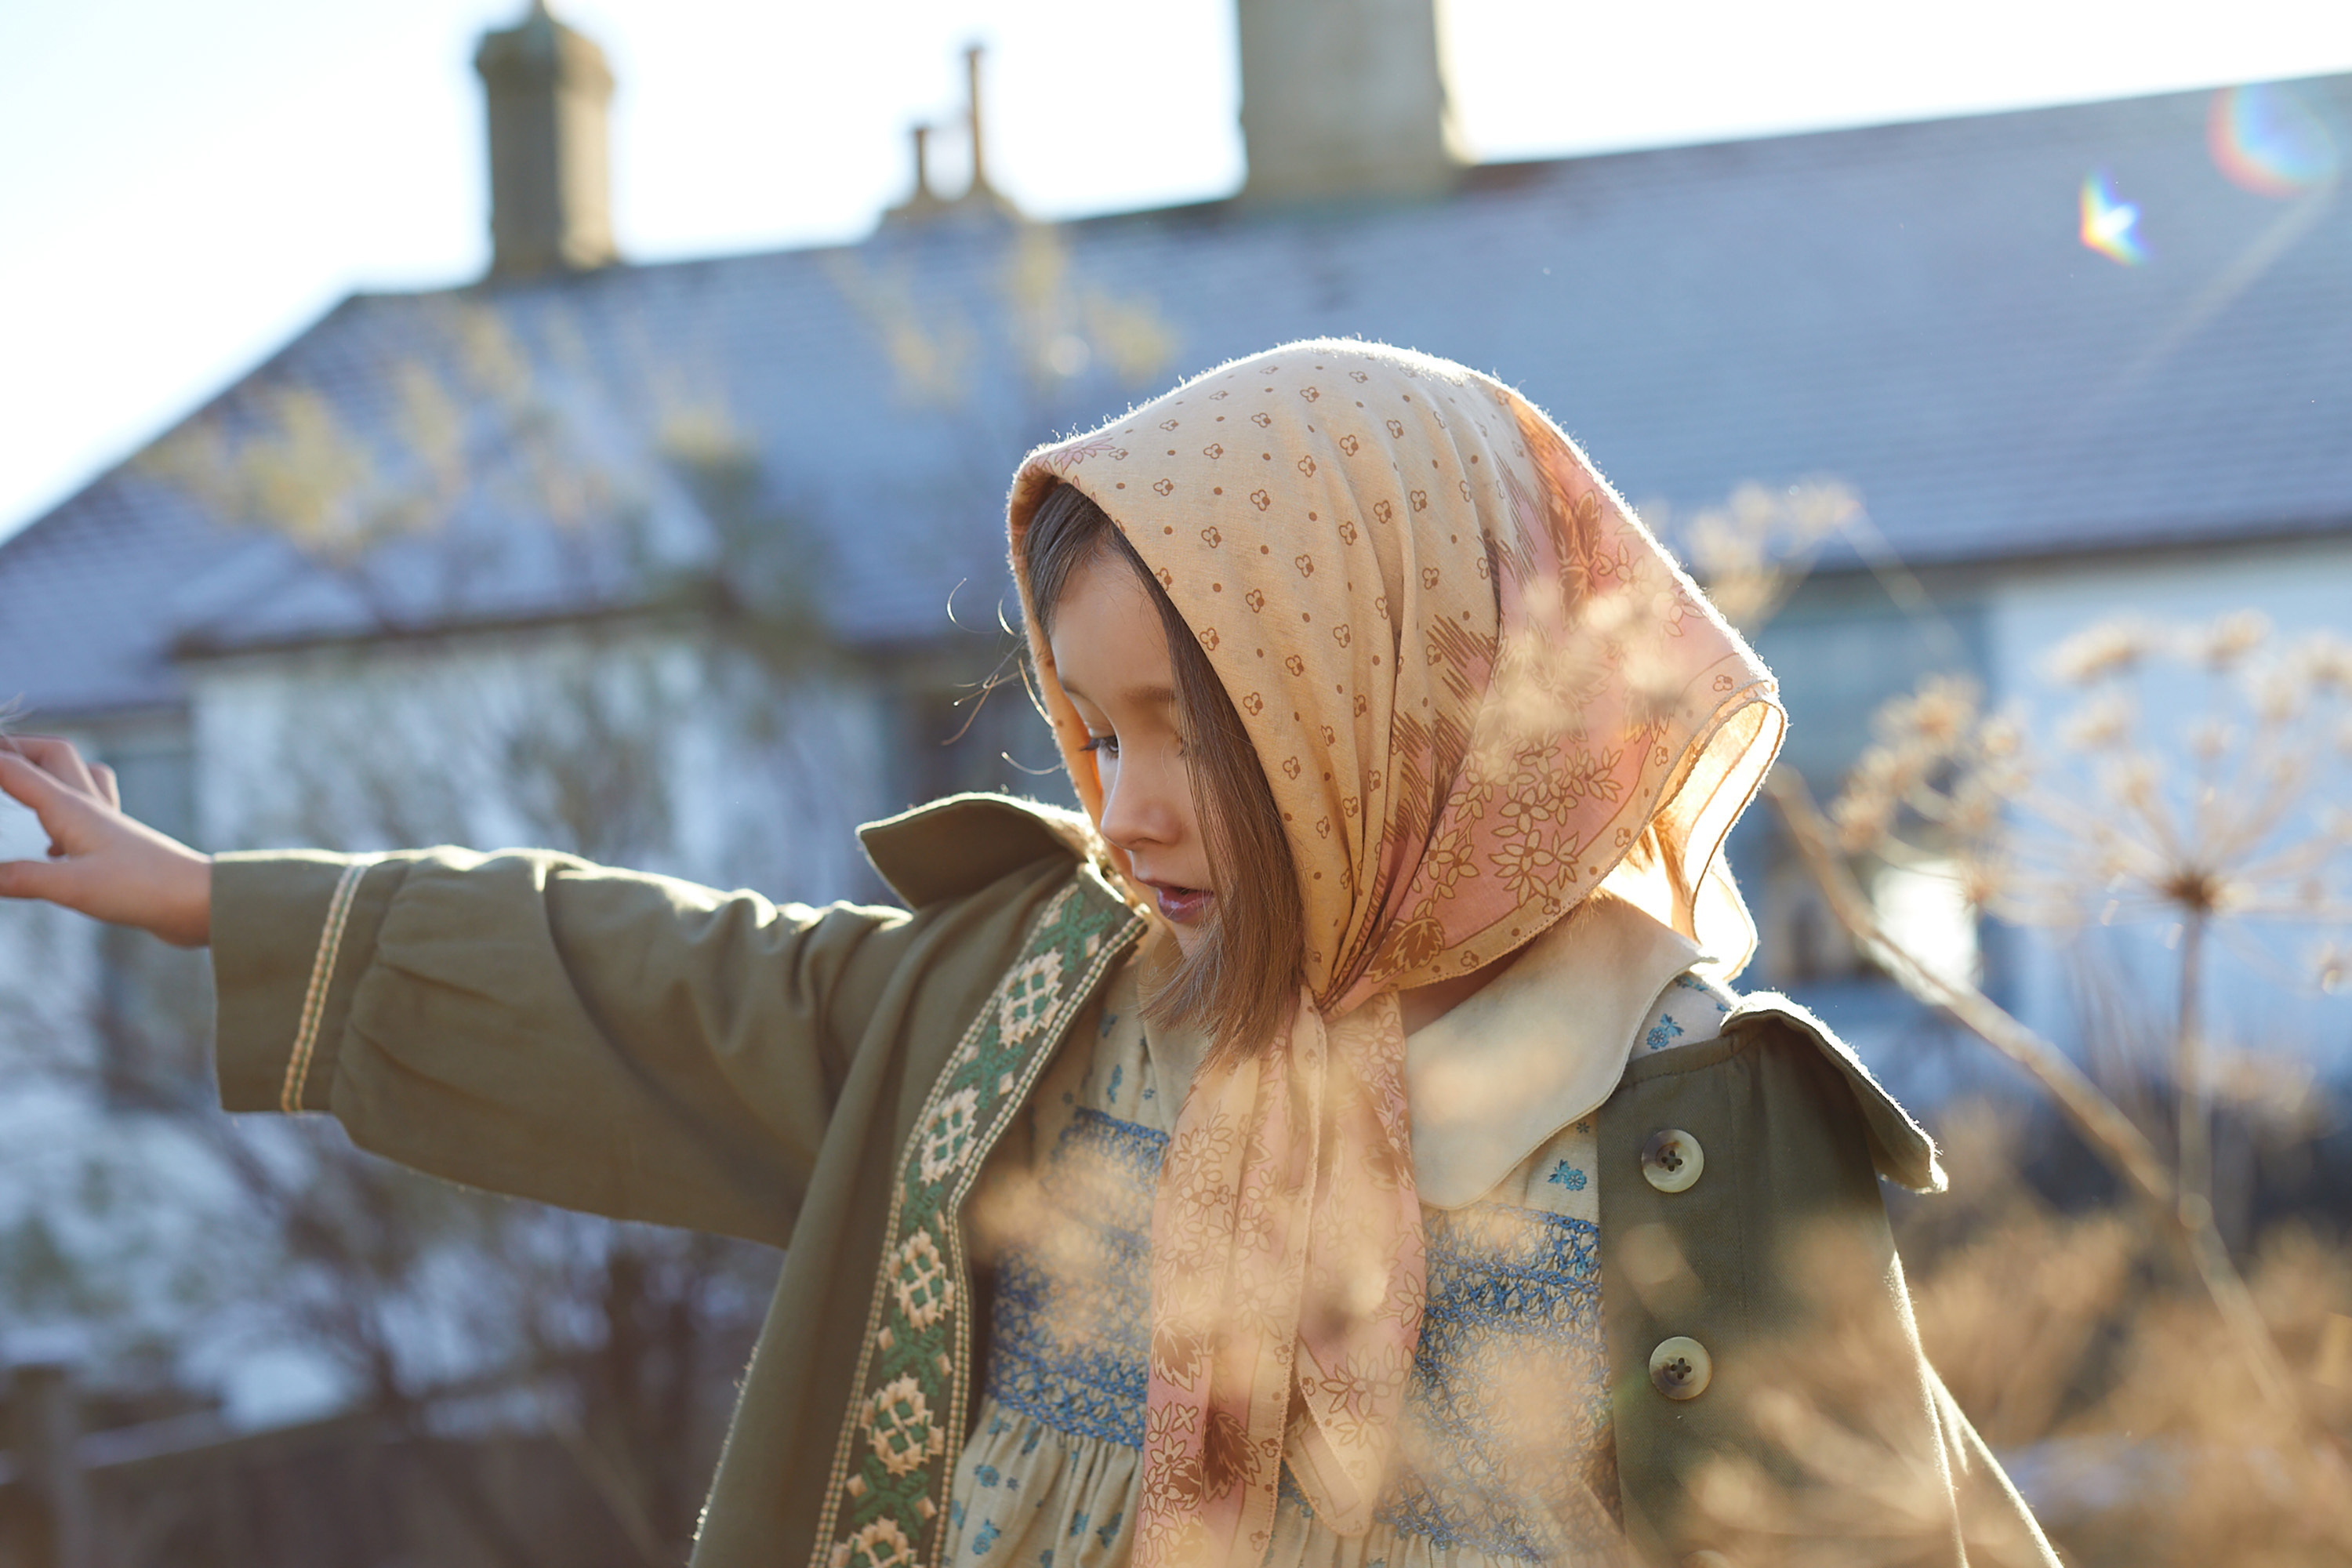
923	191
922	202
971	57
546	88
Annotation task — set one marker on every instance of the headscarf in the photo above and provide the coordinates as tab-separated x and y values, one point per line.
1478	687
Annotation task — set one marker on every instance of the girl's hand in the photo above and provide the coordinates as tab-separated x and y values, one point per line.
101	862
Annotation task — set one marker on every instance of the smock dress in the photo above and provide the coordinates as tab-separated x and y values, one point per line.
1505	1456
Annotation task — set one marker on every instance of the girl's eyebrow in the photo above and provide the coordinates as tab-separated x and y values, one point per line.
1143	696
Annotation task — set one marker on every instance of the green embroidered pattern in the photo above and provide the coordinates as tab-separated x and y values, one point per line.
900	1440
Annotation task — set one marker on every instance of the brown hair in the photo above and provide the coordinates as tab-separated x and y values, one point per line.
1239	985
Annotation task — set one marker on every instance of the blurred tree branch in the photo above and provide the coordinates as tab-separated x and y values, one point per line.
2090	1113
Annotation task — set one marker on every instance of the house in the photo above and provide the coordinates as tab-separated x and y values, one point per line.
694	565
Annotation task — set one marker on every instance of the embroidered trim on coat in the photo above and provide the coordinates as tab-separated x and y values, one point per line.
900	1438
322	980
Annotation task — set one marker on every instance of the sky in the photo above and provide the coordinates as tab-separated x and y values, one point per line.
183	188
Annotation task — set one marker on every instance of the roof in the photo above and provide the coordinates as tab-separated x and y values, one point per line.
1908	308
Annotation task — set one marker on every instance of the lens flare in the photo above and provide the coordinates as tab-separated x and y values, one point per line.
2109	225
2267	139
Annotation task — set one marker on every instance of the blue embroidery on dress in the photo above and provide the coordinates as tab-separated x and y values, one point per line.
984	1538
1513	1303
1514	1300
1072	1320
1134	1149
1663	1033
1117	1071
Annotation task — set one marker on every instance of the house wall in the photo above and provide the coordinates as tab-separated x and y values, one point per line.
649	747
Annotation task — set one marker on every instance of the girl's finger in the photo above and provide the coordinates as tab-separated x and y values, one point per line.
56	756
110	789
59	807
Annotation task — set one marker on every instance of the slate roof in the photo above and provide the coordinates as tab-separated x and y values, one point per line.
1906	307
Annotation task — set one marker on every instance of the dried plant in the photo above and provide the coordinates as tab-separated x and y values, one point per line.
2190	782
2194	781
2124	1406
2196	776
1753	548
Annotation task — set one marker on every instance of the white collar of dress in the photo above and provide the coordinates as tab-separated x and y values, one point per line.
1538	1047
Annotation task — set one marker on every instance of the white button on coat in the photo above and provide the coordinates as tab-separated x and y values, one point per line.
1680	1368
1672	1160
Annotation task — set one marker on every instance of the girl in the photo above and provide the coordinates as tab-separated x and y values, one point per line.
1335	1146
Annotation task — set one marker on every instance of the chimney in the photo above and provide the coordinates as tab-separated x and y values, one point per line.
1342	99
980	189
547	87
922	202
979	200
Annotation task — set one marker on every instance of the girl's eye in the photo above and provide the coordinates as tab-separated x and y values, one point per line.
1104	743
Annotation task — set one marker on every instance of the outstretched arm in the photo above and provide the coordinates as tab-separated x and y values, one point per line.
101	862
526	1022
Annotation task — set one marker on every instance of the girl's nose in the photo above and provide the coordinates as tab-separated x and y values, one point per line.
1136	810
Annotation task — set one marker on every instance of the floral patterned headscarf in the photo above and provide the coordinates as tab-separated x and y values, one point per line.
1478	687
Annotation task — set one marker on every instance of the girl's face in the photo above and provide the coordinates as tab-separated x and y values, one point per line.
1111	656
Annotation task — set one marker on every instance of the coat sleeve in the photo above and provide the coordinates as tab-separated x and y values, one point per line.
524	1022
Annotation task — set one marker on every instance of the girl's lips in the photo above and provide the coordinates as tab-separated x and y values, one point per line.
1184	906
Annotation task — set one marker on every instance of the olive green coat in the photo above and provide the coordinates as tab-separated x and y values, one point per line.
830	1080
